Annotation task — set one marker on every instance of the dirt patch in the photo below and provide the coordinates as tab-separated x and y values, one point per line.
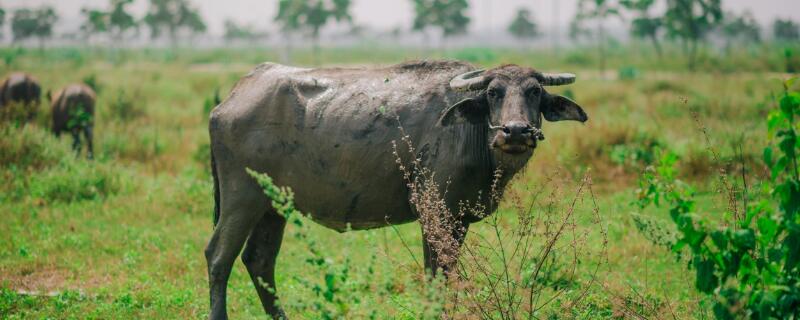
28	280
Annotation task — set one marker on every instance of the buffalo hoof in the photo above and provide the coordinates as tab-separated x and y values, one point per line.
279	314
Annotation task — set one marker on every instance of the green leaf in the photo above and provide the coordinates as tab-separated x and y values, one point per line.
789	104
768	228
768	156
719	239
706	280
744	239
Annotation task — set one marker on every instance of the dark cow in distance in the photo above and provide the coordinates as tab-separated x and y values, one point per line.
22	88
327	134
73	112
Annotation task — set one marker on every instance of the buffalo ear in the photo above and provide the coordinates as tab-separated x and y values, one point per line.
558	108
469	110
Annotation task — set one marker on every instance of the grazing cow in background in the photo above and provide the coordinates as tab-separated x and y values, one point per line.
73	111
21	88
327	134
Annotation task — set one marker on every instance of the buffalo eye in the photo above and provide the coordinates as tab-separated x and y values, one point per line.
534	91
492	93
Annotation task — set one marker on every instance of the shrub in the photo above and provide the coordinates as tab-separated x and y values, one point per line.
37	165
91	81
124	108
29	146
628	73
750	265
72	181
210	103
17	113
476	55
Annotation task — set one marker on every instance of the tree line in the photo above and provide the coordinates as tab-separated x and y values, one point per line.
688	22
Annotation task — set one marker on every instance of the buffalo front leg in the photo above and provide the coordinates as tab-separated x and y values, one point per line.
440	253
260	255
239	212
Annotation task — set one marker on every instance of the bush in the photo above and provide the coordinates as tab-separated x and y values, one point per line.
475	55
124	108
17	113
750	265
211	102
72	181
29	147
91	81
628	73
37	165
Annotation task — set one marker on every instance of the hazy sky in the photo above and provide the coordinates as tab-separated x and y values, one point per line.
386	14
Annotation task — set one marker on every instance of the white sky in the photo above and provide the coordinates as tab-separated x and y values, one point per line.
387	14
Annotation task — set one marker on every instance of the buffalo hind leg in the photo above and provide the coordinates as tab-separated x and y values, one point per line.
260	255
239	213
87	133
76	140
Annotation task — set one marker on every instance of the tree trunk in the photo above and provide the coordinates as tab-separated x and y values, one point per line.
173	38
287	49
602	47
692	54
315	47
656	45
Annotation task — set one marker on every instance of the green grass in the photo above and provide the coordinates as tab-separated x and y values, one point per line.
123	236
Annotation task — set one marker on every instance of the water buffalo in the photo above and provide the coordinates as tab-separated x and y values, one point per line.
327	134
73	111
21	88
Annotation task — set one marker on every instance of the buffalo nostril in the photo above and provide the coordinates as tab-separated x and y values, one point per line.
506	130
527	130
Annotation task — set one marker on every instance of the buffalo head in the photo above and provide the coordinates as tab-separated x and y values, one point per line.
512	101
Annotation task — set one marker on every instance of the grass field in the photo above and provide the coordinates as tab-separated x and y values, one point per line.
123	236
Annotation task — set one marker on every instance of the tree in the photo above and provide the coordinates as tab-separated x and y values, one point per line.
120	21
28	23
523	26
2	21
311	16
742	28
96	22
643	26
173	16
234	31
690	21
115	22
449	16
597	11
786	30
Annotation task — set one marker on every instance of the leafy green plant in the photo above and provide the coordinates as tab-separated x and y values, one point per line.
628	73
79	118
211	102
91	81
123	107
751	265
637	152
